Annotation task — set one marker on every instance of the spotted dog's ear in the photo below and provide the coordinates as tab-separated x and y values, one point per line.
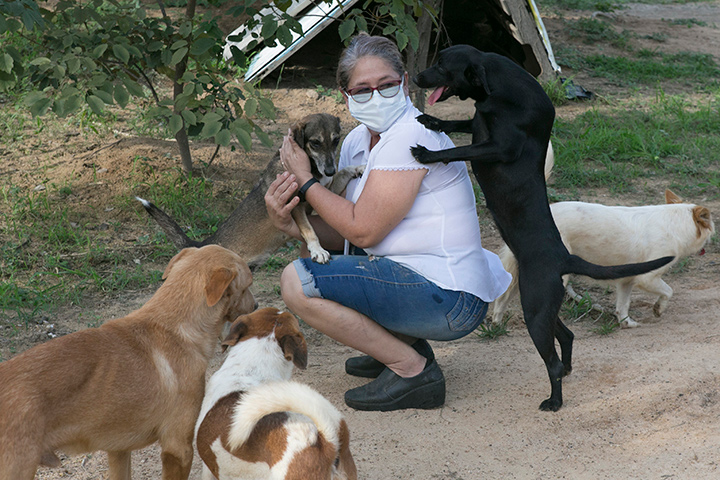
671	197
237	331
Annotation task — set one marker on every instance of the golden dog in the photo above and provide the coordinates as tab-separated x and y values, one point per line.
129	383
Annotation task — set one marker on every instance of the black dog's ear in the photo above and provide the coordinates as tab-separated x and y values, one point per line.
298	133
475	75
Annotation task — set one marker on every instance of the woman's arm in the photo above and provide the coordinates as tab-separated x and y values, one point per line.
279	208
386	198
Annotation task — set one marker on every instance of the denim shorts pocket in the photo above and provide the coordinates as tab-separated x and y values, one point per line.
467	314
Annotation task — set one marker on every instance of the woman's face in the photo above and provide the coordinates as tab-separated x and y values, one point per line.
371	71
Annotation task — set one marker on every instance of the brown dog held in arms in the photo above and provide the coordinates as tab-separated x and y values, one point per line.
255	423
510	135
612	234
248	230
129	383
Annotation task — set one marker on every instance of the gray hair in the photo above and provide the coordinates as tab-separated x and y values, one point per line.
363	45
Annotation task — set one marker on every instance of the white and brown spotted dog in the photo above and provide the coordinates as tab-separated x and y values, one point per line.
257	424
609	235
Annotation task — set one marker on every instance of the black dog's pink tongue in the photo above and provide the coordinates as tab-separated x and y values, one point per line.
434	96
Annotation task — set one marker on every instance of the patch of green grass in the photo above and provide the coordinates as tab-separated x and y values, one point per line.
622	146
606	325
593	31
187	198
689	22
592	5
650	67
491	331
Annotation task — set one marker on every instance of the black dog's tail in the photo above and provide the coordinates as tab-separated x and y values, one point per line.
577	265
173	231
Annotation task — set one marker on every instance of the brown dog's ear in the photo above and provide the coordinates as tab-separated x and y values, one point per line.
298	133
475	75
671	197
173	261
236	333
702	218
295	349
217	284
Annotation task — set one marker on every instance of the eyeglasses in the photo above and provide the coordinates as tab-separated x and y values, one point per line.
364	94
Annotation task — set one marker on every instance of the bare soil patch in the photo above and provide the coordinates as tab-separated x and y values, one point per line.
640	404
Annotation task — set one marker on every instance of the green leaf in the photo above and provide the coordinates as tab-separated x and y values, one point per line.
202	45
346	29
284	36
121	52
189	117
96	104
40	106
178	56
223	137
402	40
6	63
264	138
104	96
269	26
250	107
178	44
134	88
99	51
267	108
122	97
176	123
242	135
211	128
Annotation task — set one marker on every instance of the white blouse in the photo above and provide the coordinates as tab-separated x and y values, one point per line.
440	236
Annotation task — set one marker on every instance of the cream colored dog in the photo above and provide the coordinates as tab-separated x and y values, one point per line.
256	424
613	235
129	383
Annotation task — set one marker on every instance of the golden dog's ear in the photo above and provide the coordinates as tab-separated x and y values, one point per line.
702	218
295	349
298	133
671	197
217	284
184	252
237	331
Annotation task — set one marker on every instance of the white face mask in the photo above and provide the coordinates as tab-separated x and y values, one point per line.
379	113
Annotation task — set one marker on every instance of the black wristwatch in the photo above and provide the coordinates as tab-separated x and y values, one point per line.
304	188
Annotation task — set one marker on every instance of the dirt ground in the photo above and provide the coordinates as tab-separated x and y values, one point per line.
640	403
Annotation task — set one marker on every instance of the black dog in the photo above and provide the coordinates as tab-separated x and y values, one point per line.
510	134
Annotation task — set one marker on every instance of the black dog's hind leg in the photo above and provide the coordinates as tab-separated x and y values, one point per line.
565	338
541	299
447	126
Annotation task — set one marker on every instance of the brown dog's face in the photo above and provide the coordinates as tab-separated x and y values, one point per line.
457	72
319	136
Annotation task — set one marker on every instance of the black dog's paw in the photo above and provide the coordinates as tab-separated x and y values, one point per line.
421	154
430	122
551	405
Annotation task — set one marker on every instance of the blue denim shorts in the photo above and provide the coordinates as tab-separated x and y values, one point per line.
392	295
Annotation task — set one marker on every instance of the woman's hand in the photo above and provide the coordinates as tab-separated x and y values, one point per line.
279	202
295	160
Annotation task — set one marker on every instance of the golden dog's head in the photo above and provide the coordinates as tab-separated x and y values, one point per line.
215	273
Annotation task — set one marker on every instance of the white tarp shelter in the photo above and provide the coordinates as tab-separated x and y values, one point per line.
518	18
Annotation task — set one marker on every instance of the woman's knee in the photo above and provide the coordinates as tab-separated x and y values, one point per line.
290	286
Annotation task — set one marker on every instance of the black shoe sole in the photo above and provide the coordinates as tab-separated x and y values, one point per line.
425	397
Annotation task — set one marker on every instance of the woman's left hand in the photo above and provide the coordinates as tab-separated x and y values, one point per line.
294	159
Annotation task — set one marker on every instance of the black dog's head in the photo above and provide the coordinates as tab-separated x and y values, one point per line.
319	136
459	71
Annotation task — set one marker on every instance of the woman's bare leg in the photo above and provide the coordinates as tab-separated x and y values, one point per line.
350	327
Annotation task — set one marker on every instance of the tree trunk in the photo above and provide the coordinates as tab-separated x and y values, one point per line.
181	136
417	60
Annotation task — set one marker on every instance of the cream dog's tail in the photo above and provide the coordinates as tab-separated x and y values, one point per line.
284	396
